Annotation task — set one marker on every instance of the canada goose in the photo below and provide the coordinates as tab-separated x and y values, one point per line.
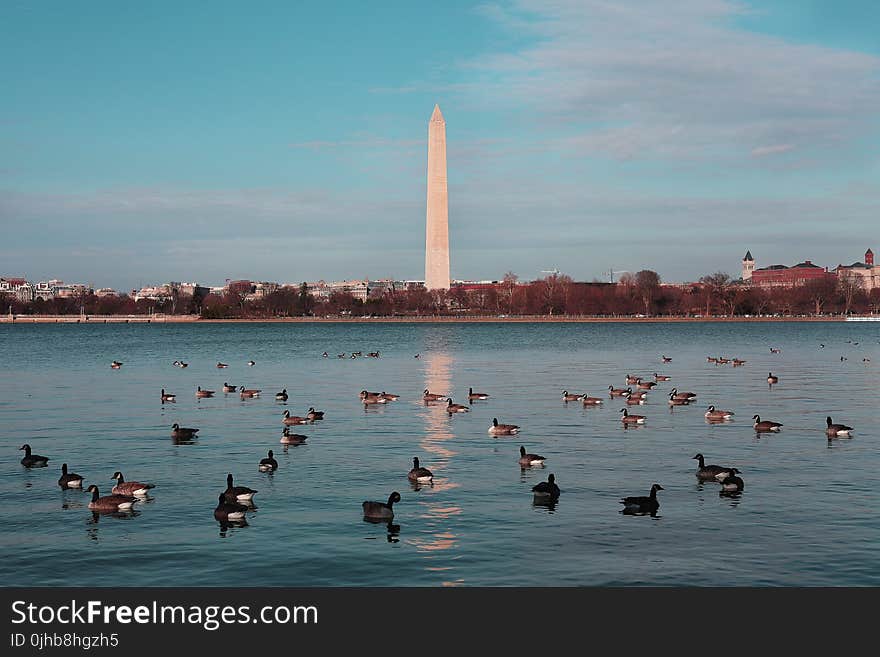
429	397
240	493
589	401
227	510
182	364
737	362
167	397
288	438
723	361
476	395
711	359
248	392
732	483
631	419
645	385
251	363
176	363
204	393
711	471
269	464
666	359
772	379
638	394
456	408
229	388
616	392
178	431
288	419
766	425
281	396
32	460
220	366
115	365
416	356
123	487
775	351
529	459
634	399
381	510
836	429
366	393
567	397
109	502
325	355
547	490
314	415
661	377
342	355
373	399
418	473
502	429
678	401
389	396
630	378
373	354
712	414
683	395
69	479
642	504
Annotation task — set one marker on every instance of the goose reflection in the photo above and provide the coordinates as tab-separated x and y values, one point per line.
184	441
226	525
547	504
392	528
654	513
419	485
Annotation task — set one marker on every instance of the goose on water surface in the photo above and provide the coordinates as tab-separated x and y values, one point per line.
124	487
289	419
430	396
711	471
281	396
109	502
547	490
642	504
178	431
833	430
713	414
476	395
240	493
591	401
288	438
314	415
502	429
269	464
167	397
529	459
32	460
772	379
731	483
419	473
229	388
661	377
381	510
69	479
204	393
626	418
765	425
456	408
567	397
227	510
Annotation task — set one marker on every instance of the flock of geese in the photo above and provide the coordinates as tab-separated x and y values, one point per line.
235	501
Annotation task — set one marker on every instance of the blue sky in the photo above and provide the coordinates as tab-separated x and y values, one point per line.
287	141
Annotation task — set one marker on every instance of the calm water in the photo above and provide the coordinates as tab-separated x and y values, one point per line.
808	515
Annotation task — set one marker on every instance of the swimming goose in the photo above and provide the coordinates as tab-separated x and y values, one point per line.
588	401
634	399
429	397
389	396
418	473
456	408
227	510
281	396
366	393
229	388
547	490
666	359
288	438
269	464
712	414
661	377
737	362
220	366
642	504
502	429
836	429
711	471
731	483
109	502
288	419
722	361
69	479
683	395
32	460
124	487
342	355
325	355
711	359
167	397
381	510
645	385
374	399
567	397
630	378
766	425
529	459
240	493
249	392
178	431
775	351
204	393
476	395
617	392
678	401
314	415
772	379
115	365
631	419
251	363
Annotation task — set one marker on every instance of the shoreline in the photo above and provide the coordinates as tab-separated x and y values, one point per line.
522	319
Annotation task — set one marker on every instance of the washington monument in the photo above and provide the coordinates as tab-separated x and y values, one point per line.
437	225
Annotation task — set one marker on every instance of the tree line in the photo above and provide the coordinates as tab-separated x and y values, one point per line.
639	294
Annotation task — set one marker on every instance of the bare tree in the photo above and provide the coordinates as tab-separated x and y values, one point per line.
647	283
715	286
848	287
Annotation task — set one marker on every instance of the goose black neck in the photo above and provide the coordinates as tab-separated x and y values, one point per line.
416	462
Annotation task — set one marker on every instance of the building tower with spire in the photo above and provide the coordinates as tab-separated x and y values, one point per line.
437	223
748	266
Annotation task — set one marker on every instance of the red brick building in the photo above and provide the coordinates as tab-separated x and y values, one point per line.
782	276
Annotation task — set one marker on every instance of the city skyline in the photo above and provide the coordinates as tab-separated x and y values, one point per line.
585	137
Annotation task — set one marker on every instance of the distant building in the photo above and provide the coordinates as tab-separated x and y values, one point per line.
783	276
866	272
748	266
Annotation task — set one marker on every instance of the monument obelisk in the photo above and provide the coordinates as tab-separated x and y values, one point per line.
437	224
